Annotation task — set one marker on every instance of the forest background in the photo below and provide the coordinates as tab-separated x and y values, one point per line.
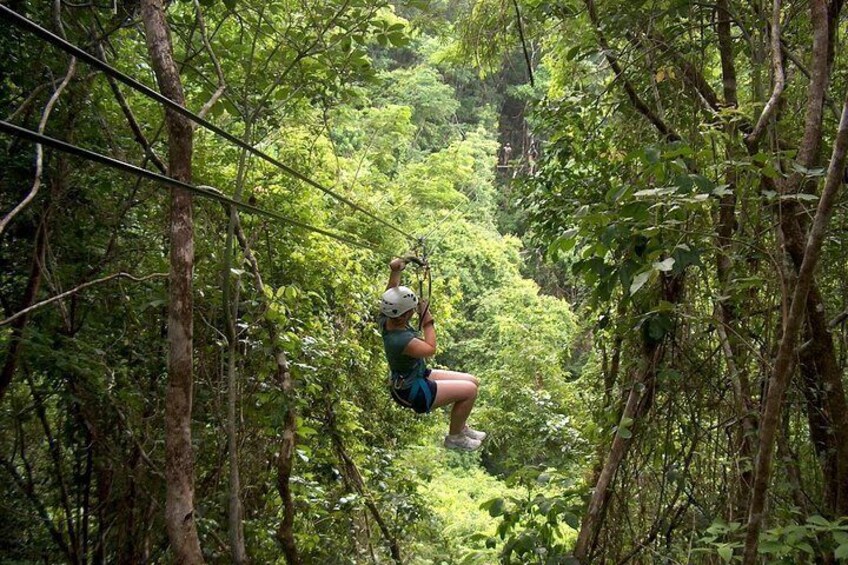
629	213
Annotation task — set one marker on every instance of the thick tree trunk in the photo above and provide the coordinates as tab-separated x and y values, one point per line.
783	364
179	457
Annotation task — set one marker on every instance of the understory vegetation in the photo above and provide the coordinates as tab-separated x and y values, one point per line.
634	220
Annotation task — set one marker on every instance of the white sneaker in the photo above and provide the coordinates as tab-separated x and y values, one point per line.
474	434
461	442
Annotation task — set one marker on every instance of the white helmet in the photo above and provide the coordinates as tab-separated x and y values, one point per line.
398	301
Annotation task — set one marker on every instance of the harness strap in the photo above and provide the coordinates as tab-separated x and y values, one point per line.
421	385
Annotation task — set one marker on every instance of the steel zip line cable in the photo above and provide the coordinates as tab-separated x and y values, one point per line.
211	193
32	27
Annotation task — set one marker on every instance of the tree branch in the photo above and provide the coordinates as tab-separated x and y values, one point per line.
222	84
39	152
76	289
667	132
523	42
752	139
128	114
29	492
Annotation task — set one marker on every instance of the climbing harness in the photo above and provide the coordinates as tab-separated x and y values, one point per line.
409	397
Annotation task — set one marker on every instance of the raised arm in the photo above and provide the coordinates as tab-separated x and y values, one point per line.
423	347
397	265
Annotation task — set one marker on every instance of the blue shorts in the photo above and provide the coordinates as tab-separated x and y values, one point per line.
420	396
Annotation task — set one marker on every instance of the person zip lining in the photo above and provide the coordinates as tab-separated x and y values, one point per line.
413	385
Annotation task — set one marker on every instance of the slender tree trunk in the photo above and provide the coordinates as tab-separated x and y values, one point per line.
725	229
288	436
594	514
725	46
824	391
13	350
783	364
826	407
236	510
793	473
179	457
353	479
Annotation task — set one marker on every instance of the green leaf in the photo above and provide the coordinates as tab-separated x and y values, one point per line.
572	520
306	431
657	326
819	521
495	506
684	256
841	551
625	433
770	546
639	281
806	548
725	552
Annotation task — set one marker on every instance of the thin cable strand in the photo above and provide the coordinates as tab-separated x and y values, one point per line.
206	192
35	29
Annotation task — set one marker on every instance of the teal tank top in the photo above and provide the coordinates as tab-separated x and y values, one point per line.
401	365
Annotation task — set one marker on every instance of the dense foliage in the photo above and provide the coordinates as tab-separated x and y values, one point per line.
622	204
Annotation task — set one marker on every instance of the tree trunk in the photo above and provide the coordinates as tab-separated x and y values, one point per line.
287	438
236	511
725	47
13	350
590	527
725	229
827	408
353	479
783	364
179	457
230	305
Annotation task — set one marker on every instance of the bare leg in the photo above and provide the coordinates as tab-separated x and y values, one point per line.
442	375
462	395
